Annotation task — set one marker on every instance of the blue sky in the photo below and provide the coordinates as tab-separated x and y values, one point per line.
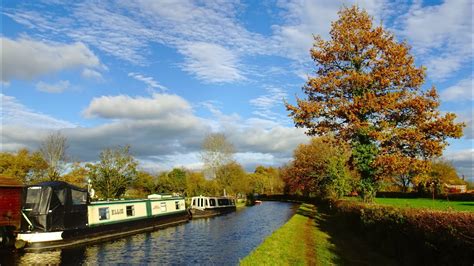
160	75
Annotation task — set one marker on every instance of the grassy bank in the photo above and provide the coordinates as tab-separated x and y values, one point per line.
436	204
312	238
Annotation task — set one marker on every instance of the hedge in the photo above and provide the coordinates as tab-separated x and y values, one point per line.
418	237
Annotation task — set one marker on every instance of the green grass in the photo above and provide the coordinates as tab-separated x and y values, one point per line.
284	246
314	238
428	204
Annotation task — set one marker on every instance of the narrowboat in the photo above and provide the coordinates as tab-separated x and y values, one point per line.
10	210
59	215
210	206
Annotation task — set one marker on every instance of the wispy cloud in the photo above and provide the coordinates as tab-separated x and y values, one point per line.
149	81
461	91
211	63
57	87
14	113
266	103
126	30
91	74
441	35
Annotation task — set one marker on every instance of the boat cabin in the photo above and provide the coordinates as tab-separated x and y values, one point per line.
55	205
202	202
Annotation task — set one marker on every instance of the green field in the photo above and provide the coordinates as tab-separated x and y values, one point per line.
312	238
427	204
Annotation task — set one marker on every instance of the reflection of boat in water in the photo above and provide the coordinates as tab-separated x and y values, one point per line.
210	206
57	215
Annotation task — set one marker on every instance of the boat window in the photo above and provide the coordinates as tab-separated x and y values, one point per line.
33	195
212	202
223	202
61	194
206	203
202	202
177	204
104	213
130	210
163	206
194	202
78	197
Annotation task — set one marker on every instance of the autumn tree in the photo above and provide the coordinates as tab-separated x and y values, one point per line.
216	152
267	180
441	172
233	178
319	168
77	176
114	173
143	185
24	166
197	184
53	148
367	91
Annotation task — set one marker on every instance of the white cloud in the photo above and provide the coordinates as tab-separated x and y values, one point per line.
57	87
463	160
27	58
123	106
267	102
91	74
126	30
211	62
161	129
307	18
149	81
468	118
461	91
441	34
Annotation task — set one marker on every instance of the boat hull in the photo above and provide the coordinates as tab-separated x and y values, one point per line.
94	234
209	212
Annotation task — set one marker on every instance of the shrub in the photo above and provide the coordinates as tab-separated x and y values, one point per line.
413	236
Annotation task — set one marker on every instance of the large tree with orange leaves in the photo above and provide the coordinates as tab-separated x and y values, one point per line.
367	91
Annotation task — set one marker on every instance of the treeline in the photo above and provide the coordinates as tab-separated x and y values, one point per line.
323	168
116	174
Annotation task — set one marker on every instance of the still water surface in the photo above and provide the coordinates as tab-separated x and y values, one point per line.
222	240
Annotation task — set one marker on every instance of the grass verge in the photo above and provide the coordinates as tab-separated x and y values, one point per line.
314	238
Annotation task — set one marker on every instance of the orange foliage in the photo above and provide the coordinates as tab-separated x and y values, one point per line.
366	81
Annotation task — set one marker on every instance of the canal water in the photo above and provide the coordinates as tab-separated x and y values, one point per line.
221	240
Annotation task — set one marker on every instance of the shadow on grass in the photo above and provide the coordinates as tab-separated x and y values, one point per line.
349	248
467	204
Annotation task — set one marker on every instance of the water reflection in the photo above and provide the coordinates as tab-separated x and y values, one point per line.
218	240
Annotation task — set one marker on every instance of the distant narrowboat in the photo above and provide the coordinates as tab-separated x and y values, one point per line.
210	206
58	215
10	210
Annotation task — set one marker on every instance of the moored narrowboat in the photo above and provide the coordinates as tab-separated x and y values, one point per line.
211	206
58	215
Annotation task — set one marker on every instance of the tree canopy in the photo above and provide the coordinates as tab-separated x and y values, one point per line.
53	149
319	167
114	173
367	91
216	152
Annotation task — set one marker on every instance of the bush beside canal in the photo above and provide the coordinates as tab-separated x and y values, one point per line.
413	236
408	235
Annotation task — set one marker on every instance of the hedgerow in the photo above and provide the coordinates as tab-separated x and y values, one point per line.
412	236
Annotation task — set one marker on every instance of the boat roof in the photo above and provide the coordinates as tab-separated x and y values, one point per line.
58	184
215	197
9	182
